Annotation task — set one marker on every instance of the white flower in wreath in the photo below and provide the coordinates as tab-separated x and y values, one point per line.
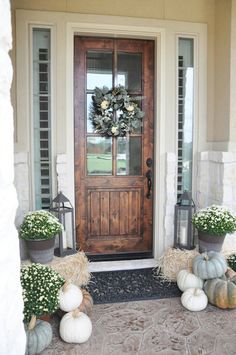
114	129
130	108
104	104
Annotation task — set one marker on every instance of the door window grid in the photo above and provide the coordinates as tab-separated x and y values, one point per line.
107	71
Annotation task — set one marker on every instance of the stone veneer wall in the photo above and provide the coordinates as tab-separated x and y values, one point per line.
11	303
216	184
170	199
22	182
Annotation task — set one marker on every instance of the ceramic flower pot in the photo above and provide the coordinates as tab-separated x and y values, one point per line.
41	251
208	242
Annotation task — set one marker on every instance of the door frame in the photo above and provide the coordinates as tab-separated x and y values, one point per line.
134	32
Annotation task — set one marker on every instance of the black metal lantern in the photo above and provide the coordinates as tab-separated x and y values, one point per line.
184	235
64	211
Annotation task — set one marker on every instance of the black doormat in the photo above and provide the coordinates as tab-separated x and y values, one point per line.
130	285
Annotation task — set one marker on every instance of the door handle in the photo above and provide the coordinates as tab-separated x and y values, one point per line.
149	184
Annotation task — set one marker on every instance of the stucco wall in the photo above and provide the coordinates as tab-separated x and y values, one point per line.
233	74
12	339
181	10
222	71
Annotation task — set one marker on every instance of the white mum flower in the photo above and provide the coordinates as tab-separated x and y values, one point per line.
104	104
130	108
114	129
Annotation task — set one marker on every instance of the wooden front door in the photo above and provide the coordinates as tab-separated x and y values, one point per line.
113	176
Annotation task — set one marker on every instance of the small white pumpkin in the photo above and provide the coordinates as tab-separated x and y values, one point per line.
194	299
75	327
186	279
70	297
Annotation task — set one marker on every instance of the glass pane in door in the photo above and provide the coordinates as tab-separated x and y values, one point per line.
129	156
129	70
99	69
99	156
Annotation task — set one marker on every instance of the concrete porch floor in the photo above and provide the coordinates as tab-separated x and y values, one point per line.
154	327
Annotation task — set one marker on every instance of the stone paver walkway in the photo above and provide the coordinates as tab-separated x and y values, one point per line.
154	327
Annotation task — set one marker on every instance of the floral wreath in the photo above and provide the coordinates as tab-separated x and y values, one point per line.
114	113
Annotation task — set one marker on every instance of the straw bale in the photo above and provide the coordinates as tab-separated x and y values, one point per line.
173	261
72	267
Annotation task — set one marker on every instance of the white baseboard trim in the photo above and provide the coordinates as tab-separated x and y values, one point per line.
121	265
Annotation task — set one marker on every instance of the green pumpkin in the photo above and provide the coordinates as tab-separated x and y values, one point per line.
209	265
39	336
221	292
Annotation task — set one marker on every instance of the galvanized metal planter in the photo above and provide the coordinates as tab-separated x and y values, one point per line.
41	251
209	242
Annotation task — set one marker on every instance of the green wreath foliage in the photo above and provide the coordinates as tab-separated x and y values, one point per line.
105	103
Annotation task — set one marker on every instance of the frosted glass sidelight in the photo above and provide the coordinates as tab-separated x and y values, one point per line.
42	117
185	114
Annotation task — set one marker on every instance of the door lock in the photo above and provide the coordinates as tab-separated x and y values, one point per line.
149	162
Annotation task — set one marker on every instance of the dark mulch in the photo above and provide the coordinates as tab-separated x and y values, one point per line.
130	285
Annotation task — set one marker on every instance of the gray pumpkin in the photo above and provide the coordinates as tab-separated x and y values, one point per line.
209	265
39	336
221	292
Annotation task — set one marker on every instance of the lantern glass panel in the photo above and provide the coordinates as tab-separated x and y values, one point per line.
182	227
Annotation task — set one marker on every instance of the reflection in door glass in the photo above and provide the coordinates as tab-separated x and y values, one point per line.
89	123
129	68
99	69
99	156
129	156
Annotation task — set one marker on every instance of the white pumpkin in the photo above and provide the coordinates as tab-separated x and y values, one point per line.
75	327
186	279
194	299
70	297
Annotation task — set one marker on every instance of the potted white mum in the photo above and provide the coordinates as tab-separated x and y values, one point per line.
39	229
40	286
213	223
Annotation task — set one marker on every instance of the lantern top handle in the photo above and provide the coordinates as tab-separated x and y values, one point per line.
186	199
60	201
60	198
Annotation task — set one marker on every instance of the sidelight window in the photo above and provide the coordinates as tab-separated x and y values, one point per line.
185	114
42	117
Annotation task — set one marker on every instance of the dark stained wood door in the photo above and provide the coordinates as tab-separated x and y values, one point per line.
113	209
